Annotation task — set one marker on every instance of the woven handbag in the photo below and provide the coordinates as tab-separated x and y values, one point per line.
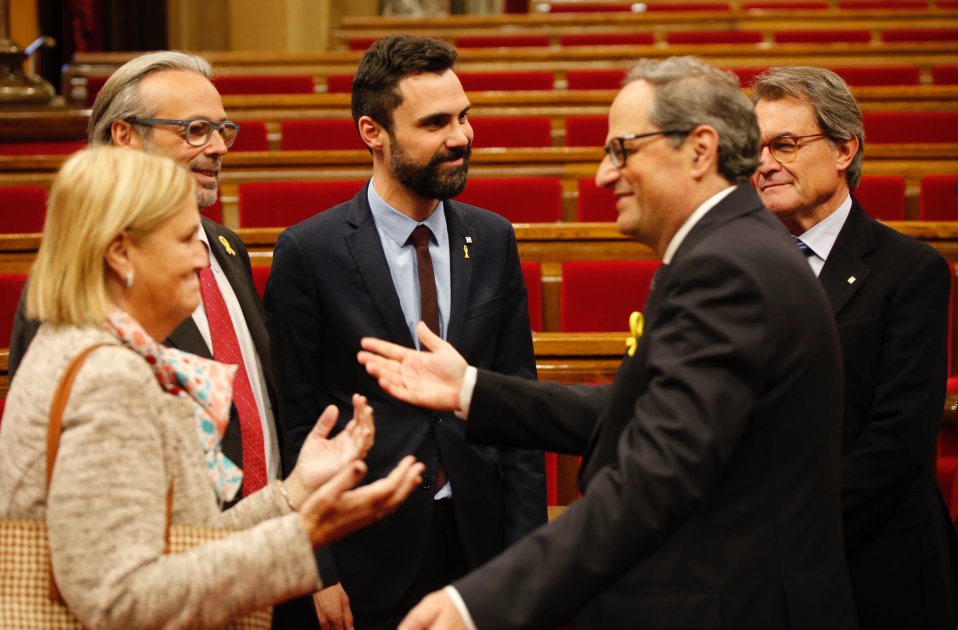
29	597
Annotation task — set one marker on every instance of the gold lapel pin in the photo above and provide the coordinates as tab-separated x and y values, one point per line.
851	279
227	246
465	250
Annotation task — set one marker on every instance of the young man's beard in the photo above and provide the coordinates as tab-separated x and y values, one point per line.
433	180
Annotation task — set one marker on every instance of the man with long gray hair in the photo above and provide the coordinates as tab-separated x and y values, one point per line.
710	467
889	294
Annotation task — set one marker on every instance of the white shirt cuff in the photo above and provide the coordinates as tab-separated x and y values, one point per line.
465	392
457	598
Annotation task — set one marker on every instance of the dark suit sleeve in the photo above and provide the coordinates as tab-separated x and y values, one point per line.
905	415
24	330
673	448
523	471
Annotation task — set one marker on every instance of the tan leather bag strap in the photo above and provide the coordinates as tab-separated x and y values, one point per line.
55	428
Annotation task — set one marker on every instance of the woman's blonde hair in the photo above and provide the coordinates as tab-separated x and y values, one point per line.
98	194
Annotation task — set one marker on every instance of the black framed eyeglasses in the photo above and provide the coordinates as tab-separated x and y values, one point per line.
617	151
196	131
785	148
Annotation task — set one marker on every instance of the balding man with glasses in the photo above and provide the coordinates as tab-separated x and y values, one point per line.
889	294
165	104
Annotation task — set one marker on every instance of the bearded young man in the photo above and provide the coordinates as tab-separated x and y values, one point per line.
355	270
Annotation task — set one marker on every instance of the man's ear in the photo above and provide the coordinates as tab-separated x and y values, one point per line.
372	133
847	150
703	143
124	135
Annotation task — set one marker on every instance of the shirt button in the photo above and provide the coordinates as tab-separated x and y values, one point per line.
436	417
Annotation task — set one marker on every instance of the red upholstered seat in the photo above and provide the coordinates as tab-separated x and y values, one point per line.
595	204
607	39
339	83
911	127
215	211
532	274
920	35
320	134
784	6
251	137
361	43
714	37
507	80
502	41
40	148
945	74
265	84
93	86
23	209
688	6
747	75
599	296
882	196
552	476
939	198
280	204
511	131
11	284
815	36
586	131
260	276
595	79
909	5
519	199
879	75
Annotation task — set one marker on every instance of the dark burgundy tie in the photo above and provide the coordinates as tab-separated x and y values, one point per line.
428	301
226	350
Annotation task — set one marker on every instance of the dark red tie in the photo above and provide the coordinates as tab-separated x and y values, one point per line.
428	301
226	350
429	307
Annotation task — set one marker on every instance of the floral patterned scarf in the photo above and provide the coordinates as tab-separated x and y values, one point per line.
208	385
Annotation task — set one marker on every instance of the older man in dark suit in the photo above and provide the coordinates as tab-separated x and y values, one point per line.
710	471
164	103
889	295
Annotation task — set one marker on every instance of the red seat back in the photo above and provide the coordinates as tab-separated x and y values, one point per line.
595	79
519	199
747	75
607	39
339	83
816	36
688	6
879	75
882	196
11	285
265	84
507	80
251	137
595	204
599	296
939	198
24	209
911	127
714	37
511	131
945	74
859	5
920	35
784	6
281	204
587	7
320	135
260	276
502	41
41	148
586	131
532	274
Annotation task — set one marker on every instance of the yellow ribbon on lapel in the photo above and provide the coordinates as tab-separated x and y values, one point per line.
636	325
226	244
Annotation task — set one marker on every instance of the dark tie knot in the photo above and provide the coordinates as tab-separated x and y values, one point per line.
802	247
421	236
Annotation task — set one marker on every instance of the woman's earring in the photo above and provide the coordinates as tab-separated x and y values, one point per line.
128	283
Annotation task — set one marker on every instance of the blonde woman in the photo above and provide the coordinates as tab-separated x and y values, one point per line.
117	266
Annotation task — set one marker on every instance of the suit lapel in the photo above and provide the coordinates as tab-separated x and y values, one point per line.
187	337
460	269
844	272
362	239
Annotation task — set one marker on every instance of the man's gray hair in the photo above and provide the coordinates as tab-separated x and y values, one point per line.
831	99
689	93
119	98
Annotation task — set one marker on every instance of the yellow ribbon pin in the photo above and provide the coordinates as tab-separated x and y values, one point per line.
226	244
636	324
465	250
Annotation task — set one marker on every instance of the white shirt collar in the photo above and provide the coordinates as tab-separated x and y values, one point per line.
821	237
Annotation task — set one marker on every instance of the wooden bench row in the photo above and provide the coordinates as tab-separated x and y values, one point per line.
569	165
